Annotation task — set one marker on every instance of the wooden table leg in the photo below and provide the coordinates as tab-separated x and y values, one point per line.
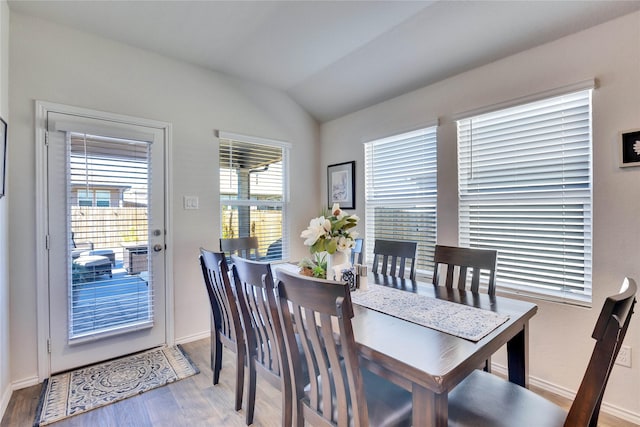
517	357
429	408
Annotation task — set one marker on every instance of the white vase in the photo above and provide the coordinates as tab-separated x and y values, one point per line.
334	259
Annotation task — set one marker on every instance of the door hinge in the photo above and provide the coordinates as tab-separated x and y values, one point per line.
46	242
48	346
46	137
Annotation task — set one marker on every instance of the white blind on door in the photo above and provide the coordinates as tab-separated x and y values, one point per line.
108	192
524	176
401	191
253	192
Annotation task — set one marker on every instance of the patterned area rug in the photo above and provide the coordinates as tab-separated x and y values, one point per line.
84	389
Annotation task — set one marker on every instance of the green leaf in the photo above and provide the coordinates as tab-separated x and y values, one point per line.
319	272
331	246
338	225
318	246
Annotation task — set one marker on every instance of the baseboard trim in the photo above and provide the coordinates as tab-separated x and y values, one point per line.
15	385
621	413
193	337
606	407
25	382
6	397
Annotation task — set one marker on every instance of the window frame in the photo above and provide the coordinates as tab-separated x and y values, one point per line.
421	204
560	293
282	205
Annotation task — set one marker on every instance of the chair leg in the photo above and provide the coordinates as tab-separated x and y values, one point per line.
487	365
298	418
240	365
216	357
213	352
287	404
251	392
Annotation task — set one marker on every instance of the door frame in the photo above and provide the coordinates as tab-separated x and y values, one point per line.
42	265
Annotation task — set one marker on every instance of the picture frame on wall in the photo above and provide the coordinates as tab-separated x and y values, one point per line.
341	185
630	148
3	156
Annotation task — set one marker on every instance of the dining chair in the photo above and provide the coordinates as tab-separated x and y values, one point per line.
395	254
465	259
265	343
483	399
356	251
226	324
245	247
333	393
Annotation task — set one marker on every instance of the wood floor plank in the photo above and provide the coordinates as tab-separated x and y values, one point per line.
22	403
191	402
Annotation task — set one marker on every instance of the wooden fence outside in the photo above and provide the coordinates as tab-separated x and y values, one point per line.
109	227
114	227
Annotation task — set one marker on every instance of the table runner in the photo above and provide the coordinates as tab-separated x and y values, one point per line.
452	318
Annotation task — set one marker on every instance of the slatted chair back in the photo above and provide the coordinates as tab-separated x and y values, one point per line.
356	252
483	399
245	247
335	393
465	260
609	332
226	326
255	289
392	257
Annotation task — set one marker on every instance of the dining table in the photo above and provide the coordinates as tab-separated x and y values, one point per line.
429	362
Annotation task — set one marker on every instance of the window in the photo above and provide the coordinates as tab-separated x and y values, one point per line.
85	198
524	176
401	191
101	167
95	198
103	199
253	189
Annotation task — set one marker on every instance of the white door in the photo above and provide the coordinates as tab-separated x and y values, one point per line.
106	239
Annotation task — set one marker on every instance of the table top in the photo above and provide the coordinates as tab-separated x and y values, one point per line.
460	320
411	353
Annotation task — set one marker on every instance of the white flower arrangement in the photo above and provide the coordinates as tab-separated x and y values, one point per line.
331	233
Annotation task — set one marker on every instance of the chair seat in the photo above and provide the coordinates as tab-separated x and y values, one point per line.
485	400
387	404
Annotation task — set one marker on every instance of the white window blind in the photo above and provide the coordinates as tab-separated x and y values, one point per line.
253	192
108	186
524	176
401	191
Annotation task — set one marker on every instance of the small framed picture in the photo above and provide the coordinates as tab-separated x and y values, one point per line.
341	186
3	155
630	148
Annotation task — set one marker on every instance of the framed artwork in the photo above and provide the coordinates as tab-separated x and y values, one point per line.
341	186
3	155
630	148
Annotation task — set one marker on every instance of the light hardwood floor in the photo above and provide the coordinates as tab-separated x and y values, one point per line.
193	401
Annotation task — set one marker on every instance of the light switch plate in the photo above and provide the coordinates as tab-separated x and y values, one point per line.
191	202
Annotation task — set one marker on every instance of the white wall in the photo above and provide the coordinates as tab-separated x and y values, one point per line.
5	374
58	64
560	334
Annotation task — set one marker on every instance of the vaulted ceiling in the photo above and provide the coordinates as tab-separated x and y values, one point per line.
332	57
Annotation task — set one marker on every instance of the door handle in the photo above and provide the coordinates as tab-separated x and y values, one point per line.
157	247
